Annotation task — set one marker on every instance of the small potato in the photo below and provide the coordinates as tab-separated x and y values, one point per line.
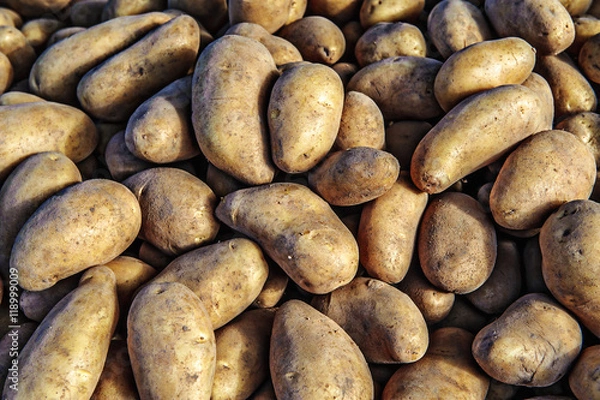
374	11
181	337
318	39
531	184
6	73
38	31
457	243
36	8
338	11
87	13
587	59
21	54
481	66
402	138
545	24
401	86
345	70
304	111
10	17
361	123
120	161
273	289
298	230
533	343
116	380
212	14
585	126
576	7
385	323
389	39
583	377
77	332
97	219
586	26
122	8
271	15
312	357
453	25
220	182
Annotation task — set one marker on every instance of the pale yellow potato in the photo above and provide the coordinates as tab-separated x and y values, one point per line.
339	11
320	357
56	73
35	305
587	59
545	24
384	322
121	163
532	344
97	219
31	183
478	132
31	128
273	289
6	73
227	276
230	93
481	66
531	185
212	14
387	231
36	8
87	13
66	353
116	380
304	116
38	31
586	126
115	88
271	15
576	7
298	230
361	123
453	25
374	11
8	16
586	26
21	54
389	39
242	355
122	8
297	10
583	380
402	138
540	85
168	325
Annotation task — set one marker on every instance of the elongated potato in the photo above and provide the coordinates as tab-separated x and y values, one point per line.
75	334
312	357
230	96
97	220
587	56
181	336
298	230
14	339
475	133
31	128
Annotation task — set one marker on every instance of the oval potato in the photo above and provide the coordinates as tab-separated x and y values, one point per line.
361	123
389	39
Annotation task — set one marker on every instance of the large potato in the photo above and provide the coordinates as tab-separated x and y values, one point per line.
298	230
230	93
96	220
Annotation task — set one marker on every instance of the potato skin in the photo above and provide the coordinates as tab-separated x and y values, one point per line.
21	54
374	11
270	15
6	73
583	378
361	123
116	380
97	220
181	337
585	126
389	39
588	53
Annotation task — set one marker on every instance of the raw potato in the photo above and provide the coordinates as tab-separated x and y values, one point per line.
389	39
212	14
230	93
298	230
387	232
6	73
66	353
585	126
545	171
56	73
116	380
545	24
120	161
227	276
273	289
115	88
97	219
385	323
16	337
540	85
168	325
481	66
62	34
374	11
361	123
271	15
177	209
587	58
453	25
479	133
586	26
456	243
569	261
31	128
576	7
21	54
583	377
10	17
533	343
304	111
38	31
312	357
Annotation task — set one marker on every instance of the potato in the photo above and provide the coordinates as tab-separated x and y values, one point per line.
97	219
297	10
533	343
540	85
446	371
585	126
271	15
402	138
66	353
273	289
545	24
481	66
15	46
56	73
568	250
317	38
338	11
305	112
6	73
588	55
531	185
227	276
242	363
87	13
116	380
177	209
181	337
38	31
576	7
233	134
31	128
160	129
453	25
385	323
10	17
121	8
586	26
17	97
583	378
401	86
361	123
35	305
479	133
389	39
312	357
298	230
374	11
120	161
456	243
212	14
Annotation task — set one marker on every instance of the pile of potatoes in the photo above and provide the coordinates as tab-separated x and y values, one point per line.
299	199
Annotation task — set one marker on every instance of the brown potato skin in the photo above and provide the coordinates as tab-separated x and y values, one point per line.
15	46
6	73
116	380
361	123
38	31
374	11
271	15
339	11
35	305
583	378
586	26
585	126
587	56
121	163
389	39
